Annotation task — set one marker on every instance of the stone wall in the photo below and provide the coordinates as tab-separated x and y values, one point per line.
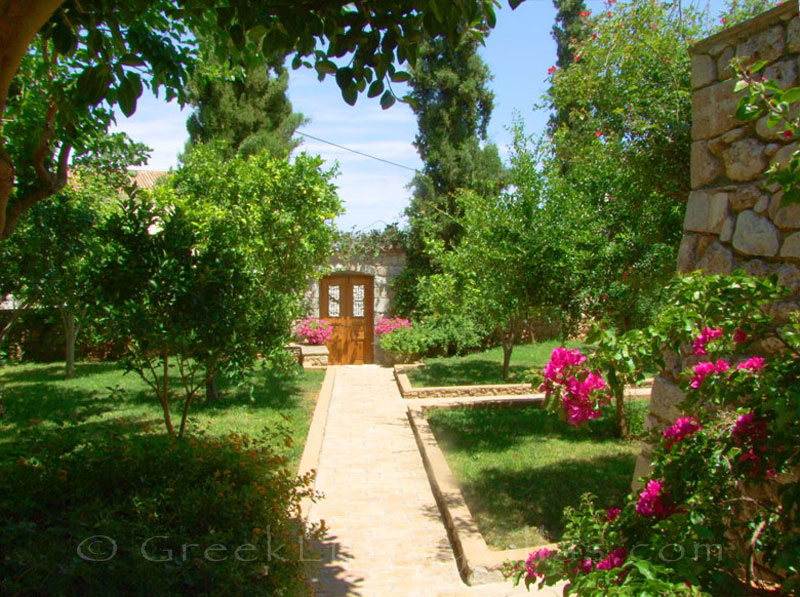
733	218
384	268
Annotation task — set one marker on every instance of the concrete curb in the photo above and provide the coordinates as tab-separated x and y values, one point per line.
477	564
316	433
409	392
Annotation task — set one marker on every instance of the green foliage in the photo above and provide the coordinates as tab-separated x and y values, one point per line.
452	101
405	345
355	245
249	111
568	29
148	514
623	149
738	11
211	269
766	98
723	477
90	61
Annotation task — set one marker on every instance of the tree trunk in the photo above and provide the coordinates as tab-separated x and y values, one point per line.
508	346
212	395
622	419
20	20
71	329
164	398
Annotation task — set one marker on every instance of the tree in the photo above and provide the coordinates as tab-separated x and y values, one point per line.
250	113
208	272
521	253
568	30
453	104
97	58
625	143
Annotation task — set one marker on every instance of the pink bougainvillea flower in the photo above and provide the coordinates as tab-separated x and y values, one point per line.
613	560
699	343
532	563
651	501
584	566
386	325
739	336
748	426
752	365
680	429
612	513
705	368
560	359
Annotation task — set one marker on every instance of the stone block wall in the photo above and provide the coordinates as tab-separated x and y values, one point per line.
384	268
733	218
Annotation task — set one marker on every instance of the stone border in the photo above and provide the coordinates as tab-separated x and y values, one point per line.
477	564
316	433
409	392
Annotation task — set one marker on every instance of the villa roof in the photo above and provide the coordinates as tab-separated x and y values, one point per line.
147	179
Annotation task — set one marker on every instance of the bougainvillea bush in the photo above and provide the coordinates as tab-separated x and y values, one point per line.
387	324
718	513
314	331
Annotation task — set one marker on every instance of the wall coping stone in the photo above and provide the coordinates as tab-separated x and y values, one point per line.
746	28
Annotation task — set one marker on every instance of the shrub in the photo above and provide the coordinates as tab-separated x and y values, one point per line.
718	513
386	325
152	515
405	345
314	331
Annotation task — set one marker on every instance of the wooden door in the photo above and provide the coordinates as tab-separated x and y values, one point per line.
346	301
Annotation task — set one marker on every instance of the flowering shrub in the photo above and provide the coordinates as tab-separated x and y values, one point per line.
718	513
572	390
386	325
405	344
314	331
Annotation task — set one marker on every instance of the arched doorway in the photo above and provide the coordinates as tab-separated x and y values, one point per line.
346	301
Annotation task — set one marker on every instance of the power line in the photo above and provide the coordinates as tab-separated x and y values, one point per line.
355	151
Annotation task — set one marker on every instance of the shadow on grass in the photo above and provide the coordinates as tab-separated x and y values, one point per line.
466	372
496	429
53	372
510	500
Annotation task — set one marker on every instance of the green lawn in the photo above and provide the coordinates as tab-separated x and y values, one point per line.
486	367
38	400
519	467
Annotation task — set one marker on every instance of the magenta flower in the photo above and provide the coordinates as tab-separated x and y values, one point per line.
752	365
584	566
748	426
699	343
559	361
680	429
739	336
386	325
612	513
314	331
703	369
613	560
651	502
534	559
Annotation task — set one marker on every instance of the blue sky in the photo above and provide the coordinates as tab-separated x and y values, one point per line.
519	51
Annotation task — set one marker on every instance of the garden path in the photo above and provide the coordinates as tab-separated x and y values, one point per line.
386	534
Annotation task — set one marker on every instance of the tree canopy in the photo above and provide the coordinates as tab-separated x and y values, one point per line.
98	56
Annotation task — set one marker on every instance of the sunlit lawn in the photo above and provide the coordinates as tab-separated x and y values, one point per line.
519	467
38	400
486	367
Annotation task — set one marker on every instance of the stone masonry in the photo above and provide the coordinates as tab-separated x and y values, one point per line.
733	218
384	268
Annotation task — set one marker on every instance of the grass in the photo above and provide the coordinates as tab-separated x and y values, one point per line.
518	468
486	367
37	399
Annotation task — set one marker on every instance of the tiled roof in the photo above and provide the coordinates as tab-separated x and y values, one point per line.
147	179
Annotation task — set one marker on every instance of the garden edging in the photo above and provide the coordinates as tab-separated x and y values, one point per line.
477	564
409	392
316	433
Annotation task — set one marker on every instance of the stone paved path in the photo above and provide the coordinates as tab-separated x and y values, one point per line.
386	534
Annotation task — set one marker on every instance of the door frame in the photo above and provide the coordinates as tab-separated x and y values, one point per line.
346	305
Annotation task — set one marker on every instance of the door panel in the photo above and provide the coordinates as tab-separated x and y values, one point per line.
346	302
